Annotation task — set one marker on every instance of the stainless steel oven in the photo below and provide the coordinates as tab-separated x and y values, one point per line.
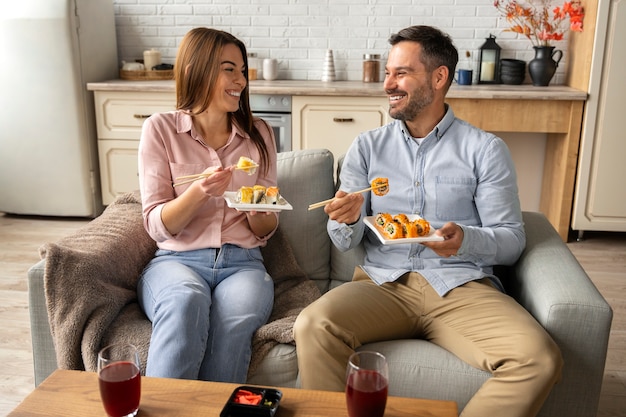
275	110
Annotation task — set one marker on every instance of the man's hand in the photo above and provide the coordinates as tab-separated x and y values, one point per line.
453	237
346	208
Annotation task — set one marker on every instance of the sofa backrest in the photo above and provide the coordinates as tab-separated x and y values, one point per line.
306	177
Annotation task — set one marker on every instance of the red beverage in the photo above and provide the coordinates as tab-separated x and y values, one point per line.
366	394
120	388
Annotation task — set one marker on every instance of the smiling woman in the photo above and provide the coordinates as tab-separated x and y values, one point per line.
208	254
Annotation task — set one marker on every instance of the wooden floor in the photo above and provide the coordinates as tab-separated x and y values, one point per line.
603	255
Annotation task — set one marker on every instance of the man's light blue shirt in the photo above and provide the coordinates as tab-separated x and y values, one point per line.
459	174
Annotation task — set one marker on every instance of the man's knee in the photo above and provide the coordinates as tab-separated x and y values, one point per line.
552	362
545	357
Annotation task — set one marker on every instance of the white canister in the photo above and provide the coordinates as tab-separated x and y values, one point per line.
270	69
151	58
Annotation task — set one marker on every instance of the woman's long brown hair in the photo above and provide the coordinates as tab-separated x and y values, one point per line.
196	71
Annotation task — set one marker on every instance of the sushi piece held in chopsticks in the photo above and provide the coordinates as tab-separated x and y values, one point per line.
380	186
247	165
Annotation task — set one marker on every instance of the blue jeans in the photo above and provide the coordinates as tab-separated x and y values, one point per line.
205	306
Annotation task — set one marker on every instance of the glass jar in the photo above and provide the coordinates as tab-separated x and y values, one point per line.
371	68
253	66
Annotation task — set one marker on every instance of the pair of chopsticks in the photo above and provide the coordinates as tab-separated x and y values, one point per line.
186	179
323	203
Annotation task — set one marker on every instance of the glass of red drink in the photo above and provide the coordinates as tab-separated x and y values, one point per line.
367	384
119	378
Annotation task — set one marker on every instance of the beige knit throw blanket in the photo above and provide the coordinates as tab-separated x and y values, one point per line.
90	281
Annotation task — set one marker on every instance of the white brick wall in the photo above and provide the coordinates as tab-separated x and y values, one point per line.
298	32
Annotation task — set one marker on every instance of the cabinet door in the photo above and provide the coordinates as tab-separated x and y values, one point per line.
118	168
334	122
599	202
120	115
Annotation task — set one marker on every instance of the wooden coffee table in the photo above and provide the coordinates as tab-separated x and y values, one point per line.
75	394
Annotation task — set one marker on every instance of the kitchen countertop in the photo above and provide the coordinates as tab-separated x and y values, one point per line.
361	89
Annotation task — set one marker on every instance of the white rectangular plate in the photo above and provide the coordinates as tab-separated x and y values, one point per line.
231	198
369	222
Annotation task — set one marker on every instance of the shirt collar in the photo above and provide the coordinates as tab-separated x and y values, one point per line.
438	131
184	123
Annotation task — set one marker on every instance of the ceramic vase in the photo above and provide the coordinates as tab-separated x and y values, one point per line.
544	65
328	73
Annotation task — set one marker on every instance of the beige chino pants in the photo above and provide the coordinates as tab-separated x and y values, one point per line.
479	324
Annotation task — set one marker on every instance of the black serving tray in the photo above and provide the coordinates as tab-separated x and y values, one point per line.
270	399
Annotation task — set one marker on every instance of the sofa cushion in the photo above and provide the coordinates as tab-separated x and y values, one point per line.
420	369
306	177
279	368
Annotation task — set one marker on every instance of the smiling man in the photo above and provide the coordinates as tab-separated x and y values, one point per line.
462	180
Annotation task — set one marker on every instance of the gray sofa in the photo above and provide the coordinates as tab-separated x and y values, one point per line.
547	280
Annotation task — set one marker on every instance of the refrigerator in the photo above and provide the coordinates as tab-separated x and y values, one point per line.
50	50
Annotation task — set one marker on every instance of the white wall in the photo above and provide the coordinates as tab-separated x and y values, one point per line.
298	32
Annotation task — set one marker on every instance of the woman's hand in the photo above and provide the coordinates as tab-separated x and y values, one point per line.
177	213
261	222
215	184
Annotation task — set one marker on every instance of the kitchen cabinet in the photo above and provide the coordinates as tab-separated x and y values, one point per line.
599	202
333	122
119	117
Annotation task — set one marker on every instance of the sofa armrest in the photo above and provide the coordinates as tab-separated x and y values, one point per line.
44	353
550	283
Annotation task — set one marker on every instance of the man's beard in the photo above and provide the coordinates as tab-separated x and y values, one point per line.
419	100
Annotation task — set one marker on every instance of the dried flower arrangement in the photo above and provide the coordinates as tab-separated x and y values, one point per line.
534	20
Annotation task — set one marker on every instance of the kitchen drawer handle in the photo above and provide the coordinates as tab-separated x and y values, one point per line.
141	116
343	119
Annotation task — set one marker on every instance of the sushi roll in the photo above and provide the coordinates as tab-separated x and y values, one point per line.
393	230
244	195
410	230
258	194
404	222
401	218
423	227
272	195
382	218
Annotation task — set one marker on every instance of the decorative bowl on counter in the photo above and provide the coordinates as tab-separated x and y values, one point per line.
512	71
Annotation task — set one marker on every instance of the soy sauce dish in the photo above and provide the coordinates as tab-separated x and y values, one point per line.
252	401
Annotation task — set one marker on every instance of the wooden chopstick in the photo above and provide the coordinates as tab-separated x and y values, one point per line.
186	179
191	178
323	203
